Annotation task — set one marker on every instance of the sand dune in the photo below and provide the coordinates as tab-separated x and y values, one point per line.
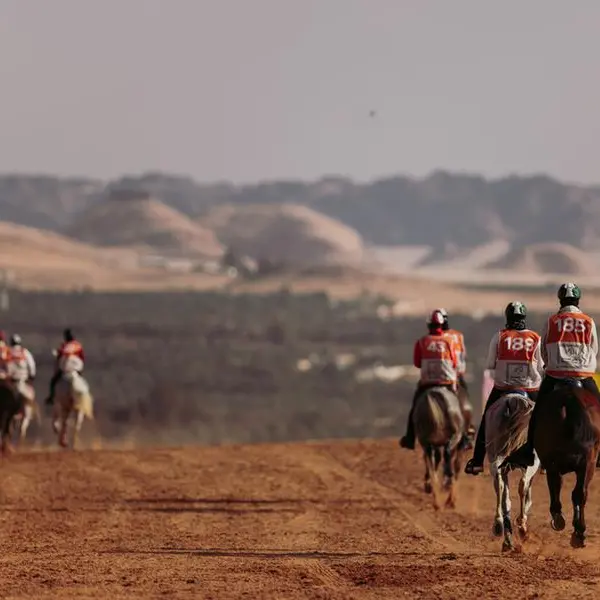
286	232
141	221
547	258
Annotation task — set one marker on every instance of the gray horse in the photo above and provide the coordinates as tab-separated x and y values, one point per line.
439	426
506	424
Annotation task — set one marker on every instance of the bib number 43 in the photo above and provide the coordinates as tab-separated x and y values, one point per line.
438	347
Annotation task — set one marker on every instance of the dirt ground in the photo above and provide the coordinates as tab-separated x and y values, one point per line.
336	520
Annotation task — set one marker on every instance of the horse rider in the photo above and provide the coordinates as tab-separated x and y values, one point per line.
435	355
5	356
461	350
515	357
569	350
22	365
70	351
461	354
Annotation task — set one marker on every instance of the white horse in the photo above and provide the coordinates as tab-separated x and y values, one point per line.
506	426
22	420
71	396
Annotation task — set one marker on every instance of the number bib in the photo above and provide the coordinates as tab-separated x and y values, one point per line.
437	362
517	345
569	345
517	360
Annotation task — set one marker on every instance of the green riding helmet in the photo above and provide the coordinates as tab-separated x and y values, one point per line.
515	311
569	291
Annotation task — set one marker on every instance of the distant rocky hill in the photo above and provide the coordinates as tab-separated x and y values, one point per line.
547	258
449	212
286	233
135	219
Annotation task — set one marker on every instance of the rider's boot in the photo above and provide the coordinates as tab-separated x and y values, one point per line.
50	399
408	440
475	465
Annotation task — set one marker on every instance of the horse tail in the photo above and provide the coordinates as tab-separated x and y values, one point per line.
430	418
84	402
506	425
436	412
577	423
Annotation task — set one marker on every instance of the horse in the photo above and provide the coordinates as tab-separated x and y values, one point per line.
566	437
439	424
506	424
30	409
467	412
71	395
11	404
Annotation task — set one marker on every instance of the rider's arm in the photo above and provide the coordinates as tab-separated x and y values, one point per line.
594	339
453	354
537	359
492	353
30	364
544	335
417	354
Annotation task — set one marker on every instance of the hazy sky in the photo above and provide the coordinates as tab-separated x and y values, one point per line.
254	89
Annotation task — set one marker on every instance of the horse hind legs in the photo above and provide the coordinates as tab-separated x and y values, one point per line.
554	479
579	498
62	438
507	544
77	429
427	487
430	468
451	500
578	535
7	448
526	501
449	479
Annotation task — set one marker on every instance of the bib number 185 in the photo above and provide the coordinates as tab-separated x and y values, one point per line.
570	325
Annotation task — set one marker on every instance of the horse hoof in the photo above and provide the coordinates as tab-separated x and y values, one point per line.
578	540
507	545
428	489
497	529
558	522
7	450
450	503
523	532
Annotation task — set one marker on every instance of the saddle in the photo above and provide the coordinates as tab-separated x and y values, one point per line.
568	382
520	393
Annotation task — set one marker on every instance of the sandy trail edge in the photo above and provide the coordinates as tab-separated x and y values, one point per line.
319	520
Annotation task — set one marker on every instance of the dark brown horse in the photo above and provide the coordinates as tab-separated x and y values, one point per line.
11	404
566	438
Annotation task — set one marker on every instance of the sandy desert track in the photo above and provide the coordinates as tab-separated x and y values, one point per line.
320	520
